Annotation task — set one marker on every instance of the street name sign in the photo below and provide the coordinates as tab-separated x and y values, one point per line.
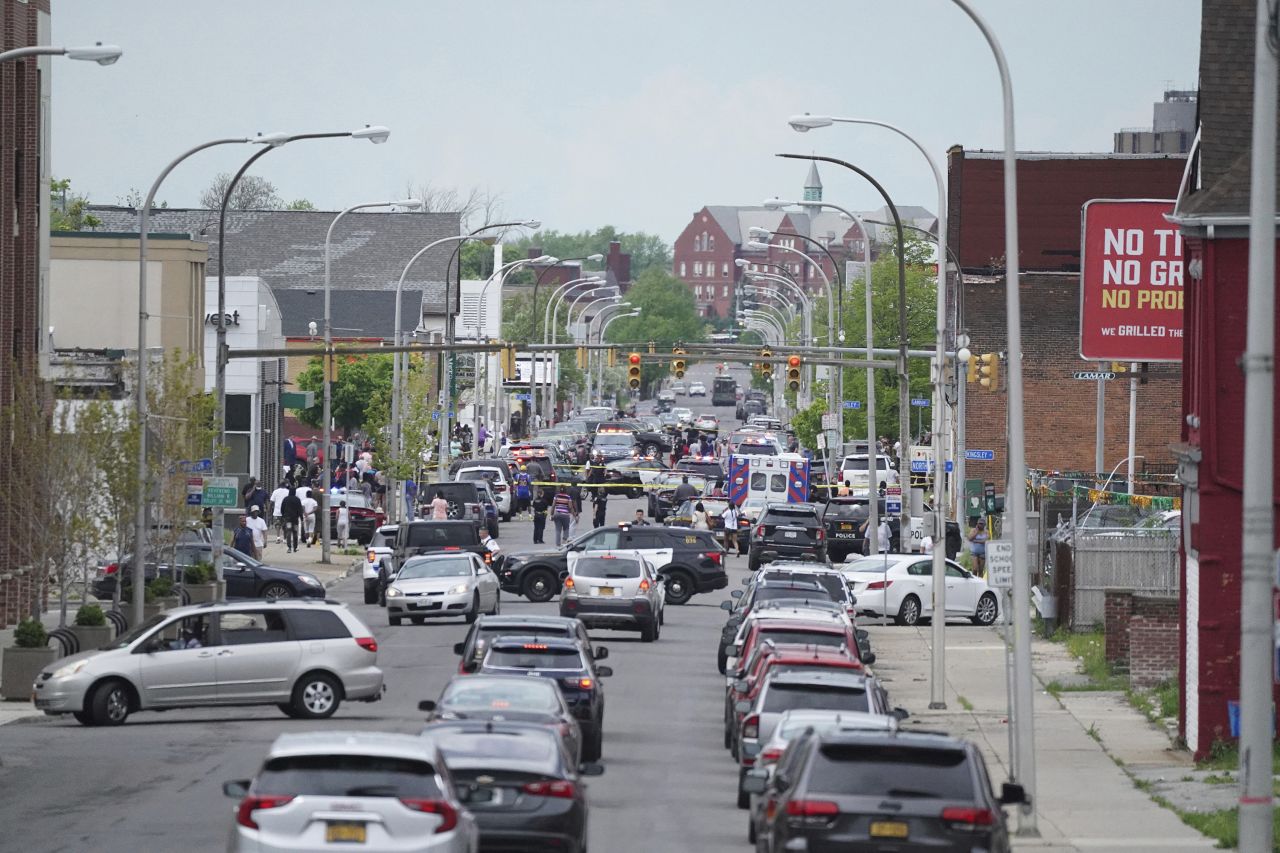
980	455
219	491
197	466
853	404
1093	374
922	402
524	397
1000	563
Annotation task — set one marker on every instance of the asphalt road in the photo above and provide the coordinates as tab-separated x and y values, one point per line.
155	783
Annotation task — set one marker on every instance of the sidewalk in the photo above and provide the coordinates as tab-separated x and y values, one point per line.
1085	800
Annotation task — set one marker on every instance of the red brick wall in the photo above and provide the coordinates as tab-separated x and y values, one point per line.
1116	609
19	263
723	252
1142	632
1060	412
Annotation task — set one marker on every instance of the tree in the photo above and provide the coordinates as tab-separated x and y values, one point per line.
251	193
522	321
476	206
360	398
300	204
668	314
134	198
112	430
477	262
68	211
648	251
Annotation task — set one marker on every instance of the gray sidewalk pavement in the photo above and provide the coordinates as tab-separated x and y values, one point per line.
1085	800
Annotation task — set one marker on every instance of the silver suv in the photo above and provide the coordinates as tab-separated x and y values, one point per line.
344	790
615	590
304	656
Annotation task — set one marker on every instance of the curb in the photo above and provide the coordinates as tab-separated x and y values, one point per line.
350	570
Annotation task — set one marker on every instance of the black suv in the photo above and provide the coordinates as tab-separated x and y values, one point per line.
791	531
569	664
487	628
843	518
415	538
691	561
906	791
463	497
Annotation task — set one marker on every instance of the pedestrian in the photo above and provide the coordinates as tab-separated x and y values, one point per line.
242	538
978	547
639	520
246	492
883	535
685	491
309	507
291	514
482	438
439	507
344	524
540	506
493	551
277	499
258	525
575	496
523	490
562	514
600	499
730	518
700	517
410	496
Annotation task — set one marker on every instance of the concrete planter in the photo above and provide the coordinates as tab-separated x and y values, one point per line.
19	668
92	636
160	605
200	593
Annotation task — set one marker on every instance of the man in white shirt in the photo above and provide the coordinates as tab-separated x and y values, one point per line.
277	520
258	525
309	506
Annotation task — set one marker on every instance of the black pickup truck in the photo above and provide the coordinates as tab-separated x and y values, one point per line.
415	538
843	518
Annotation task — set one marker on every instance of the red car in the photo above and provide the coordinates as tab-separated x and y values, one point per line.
364	518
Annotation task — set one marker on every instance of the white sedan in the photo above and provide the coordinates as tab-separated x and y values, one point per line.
901	586
444	584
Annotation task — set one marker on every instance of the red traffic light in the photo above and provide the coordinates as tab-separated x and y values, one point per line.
634	358
793	361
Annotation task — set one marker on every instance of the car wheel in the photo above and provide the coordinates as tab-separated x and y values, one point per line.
593	744
370	593
506	516
662	615
539	586
474	612
288	710
110	704
84	718
492	525
316	696
987	610
652	449
649	632
722	659
909	612
276	591
744	799
751	830
393	620
679	588
497	605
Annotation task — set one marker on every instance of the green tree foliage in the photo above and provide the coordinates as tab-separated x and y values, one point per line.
668	314
648	251
300	204
69	211
477	262
360	397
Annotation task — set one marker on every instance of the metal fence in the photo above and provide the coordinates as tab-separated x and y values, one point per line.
1119	558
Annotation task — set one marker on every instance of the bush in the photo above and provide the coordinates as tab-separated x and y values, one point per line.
160	587
30	634
199	573
91	616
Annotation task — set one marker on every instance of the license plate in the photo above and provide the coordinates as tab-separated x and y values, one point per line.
790	534
845	526
346	833
888	829
606	590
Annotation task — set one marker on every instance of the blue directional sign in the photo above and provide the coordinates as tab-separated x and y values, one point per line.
853	404
435	416
921	466
197	466
980	455
524	397
922	402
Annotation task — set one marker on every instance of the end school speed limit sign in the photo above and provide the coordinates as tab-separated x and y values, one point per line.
1000	564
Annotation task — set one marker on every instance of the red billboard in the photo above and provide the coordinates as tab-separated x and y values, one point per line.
1130	282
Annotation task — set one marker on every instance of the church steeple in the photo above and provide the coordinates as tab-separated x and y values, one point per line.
813	184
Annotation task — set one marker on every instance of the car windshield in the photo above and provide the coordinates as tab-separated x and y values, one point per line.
778	515
613	439
534	656
382	540
478	475
473	693
442	535
448	567
607	567
785	697
833	583
860	462
345	775
355	500
791	590
879	770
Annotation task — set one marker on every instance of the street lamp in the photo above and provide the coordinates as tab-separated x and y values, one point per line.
103	54
270	142
600	316
551	324
604	295
408	204
499	275
596	258
604	327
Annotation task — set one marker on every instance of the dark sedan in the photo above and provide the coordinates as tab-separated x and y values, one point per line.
245	577
524	790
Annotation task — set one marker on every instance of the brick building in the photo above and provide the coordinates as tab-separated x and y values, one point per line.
1213	217
1060	412
24	186
705	253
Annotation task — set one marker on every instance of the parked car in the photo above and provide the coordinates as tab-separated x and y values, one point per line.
365	518
335	789
901	586
445	584
524	789
787	530
843	518
614	590
486	697
187	657
678	389
245	577
471	651
901	790
492	514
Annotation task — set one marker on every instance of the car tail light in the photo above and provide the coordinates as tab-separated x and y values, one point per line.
112	569
751	727
249	805
770	755
579	683
488	557
644	584
879	585
760	530
557	788
714	556
568	583
819	534
448	814
967	817
451	548
812	812
369	644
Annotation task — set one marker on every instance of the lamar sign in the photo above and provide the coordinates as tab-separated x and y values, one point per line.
1130	282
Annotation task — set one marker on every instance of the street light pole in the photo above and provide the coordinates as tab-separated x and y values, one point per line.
500	275
604	327
586	337
103	54
600	360
534	397
410	204
549	321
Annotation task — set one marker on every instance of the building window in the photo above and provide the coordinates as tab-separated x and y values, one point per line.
711	244
703	246
724	293
724	273
697	268
683	273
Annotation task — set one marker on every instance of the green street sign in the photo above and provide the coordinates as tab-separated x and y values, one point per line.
220	491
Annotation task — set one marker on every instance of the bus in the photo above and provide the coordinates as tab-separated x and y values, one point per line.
724	391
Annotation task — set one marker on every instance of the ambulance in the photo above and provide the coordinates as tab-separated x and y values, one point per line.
783	478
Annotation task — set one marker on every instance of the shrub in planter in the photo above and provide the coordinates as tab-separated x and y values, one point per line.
23	661
91	628
90	616
200	582
160	587
159	596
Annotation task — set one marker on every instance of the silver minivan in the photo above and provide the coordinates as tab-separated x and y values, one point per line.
304	656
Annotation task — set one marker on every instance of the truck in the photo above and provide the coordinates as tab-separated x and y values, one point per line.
724	391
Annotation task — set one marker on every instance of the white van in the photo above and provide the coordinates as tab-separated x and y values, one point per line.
855	467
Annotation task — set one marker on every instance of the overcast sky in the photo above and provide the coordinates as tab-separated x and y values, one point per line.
626	112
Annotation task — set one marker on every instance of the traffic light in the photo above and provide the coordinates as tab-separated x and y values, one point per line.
1119	367
507	360
678	363
989	371
633	371
582	358
972	374
793	372
766	367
